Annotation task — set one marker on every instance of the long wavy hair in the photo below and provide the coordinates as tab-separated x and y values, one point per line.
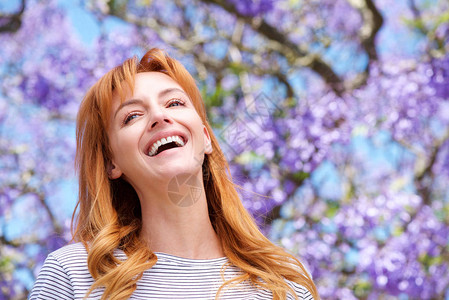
108	213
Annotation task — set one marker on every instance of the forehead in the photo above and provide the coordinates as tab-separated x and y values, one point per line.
143	84
153	82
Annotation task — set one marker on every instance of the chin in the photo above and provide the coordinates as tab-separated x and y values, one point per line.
169	170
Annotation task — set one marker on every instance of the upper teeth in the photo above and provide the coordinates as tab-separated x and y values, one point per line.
177	139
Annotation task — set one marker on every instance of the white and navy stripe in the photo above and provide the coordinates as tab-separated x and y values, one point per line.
65	275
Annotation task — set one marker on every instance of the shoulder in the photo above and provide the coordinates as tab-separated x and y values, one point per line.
300	291
65	257
70	251
70	257
61	268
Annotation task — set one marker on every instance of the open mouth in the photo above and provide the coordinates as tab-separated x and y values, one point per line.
165	144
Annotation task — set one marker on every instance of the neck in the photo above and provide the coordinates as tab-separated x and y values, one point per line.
179	225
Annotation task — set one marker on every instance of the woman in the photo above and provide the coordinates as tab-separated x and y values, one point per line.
159	217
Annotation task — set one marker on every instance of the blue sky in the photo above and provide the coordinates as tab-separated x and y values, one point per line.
85	23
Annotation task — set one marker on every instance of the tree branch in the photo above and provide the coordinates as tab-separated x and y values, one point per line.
41	197
372	23
417	17
294	54
13	243
425	173
12	22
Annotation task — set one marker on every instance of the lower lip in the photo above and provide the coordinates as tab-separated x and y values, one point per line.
167	152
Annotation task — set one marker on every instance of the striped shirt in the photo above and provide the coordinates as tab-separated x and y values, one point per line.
65	275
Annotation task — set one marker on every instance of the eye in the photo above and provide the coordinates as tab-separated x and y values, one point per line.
130	117
175	102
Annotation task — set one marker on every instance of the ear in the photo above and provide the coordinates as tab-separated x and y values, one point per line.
114	172
207	141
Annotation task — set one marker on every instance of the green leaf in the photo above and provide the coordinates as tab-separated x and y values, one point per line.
332	209
215	99
300	176
236	68
362	288
248	157
397	231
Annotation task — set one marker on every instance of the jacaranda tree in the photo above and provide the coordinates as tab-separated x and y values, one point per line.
333	114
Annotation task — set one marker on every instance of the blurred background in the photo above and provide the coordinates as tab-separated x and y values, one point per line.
337	110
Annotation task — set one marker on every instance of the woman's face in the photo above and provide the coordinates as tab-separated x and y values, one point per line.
155	133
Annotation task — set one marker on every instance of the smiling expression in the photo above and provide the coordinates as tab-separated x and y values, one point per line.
155	133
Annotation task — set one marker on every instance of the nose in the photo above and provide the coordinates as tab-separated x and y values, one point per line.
159	116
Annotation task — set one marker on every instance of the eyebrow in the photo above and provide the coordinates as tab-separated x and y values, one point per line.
138	101
126	103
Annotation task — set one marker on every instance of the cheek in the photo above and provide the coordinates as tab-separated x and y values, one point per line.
192	118
120	143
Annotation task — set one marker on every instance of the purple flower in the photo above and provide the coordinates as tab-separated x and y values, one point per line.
440	76
252	8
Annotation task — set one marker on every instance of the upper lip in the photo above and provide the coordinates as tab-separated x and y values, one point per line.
163	134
